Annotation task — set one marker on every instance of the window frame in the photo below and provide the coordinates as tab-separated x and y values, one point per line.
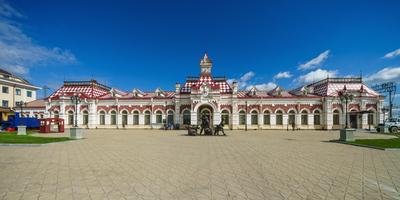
242	117
5	89
254	117
29	93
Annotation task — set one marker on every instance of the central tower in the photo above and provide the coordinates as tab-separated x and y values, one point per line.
205	66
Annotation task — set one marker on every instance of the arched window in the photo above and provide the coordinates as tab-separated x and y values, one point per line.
135	117
336	117
124	118
85	119
317	117
279	117
292	117
267	117
147	117
170	117
225	116
36	116
70	117
254	117
158	117
371	118
41	116
102	118
304	117
113	117
242	117
186	117
56	114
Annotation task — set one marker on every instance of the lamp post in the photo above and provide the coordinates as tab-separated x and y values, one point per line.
20	104
245	121
76	99
346	98
21	127
346	134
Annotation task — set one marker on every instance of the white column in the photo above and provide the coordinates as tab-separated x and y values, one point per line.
364	120
310	120
260	120
193	118
273	120
217	118
152	118
297	119
141	118
62	112
119	120
380	114
327	116
46	111
248	119
92	115
79	115
235	115
130	119
285	119
108	119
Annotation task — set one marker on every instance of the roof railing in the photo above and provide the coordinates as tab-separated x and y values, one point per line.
195	78
338	80
86	83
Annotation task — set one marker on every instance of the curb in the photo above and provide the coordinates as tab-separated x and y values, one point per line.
367	146
37	145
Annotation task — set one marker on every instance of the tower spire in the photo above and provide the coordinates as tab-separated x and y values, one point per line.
205	65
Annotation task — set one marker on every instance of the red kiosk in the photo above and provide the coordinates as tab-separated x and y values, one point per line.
51	125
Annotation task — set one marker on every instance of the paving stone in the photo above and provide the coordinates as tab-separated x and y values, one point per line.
153	164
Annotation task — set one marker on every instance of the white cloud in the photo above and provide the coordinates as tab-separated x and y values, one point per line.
247	76
18	53
315	62
243	80
316	75
392	54
265	86
283	75
385	74
7	11
16	69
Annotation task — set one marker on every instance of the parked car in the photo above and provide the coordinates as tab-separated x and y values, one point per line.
393	125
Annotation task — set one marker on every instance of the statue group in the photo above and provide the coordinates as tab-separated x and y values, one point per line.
205	128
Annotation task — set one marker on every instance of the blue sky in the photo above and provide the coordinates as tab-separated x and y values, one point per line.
150	44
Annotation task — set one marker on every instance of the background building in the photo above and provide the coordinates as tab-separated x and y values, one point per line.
313	106
14	89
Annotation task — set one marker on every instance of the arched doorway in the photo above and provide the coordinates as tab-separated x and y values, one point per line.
207	111
353	122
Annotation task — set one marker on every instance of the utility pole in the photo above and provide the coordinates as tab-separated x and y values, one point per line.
390	88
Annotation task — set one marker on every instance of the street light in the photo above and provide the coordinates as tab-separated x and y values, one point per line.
76	99
346	97
245	125
21	105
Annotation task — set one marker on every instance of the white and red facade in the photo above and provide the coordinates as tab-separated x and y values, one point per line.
313	106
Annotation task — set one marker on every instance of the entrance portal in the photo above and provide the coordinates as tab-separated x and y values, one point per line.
353	121
207	111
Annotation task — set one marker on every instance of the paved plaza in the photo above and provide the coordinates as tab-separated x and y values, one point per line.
154	164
